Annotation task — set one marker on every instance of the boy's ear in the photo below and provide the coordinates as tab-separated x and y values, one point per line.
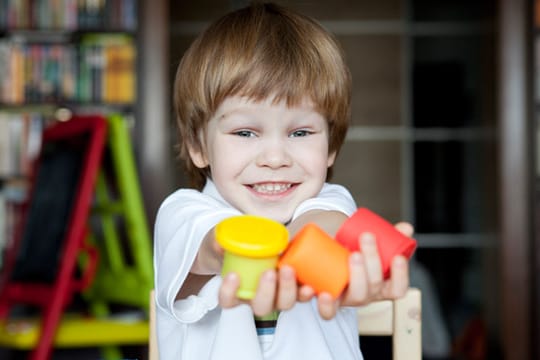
198	157
331	158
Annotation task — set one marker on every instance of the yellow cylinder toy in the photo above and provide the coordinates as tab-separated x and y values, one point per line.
252	245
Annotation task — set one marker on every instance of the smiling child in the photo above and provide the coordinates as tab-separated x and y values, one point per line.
262	99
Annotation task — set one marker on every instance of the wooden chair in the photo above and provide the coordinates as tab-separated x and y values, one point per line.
401	319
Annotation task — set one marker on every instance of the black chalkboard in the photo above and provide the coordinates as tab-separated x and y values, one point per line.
54	221
54	191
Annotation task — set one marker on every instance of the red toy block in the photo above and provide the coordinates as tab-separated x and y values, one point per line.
390	241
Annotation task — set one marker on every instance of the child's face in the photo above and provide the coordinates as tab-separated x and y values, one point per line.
264	158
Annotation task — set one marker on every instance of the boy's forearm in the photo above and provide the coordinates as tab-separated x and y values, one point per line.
192	285
206	265
329	221
209	259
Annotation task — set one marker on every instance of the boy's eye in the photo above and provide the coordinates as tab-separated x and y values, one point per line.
300	133
244	133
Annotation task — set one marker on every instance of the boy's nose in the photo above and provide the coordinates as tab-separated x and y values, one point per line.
274	154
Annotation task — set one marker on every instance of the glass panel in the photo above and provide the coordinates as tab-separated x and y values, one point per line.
322	10
375	63
348	9
371	170
198	10
452	187
451	81
438	187
455	307
452	10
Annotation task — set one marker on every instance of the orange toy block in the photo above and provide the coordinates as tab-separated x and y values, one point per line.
318	260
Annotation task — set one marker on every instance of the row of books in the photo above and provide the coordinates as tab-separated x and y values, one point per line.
100	69
20	142
68	14
13	194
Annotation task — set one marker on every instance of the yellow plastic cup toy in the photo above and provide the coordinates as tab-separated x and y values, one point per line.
252	245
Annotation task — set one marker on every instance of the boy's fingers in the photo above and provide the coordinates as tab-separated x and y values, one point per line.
405	228
400	277
287	290
263	302
217	248
305	293
357	291
227	291
327	306
372	261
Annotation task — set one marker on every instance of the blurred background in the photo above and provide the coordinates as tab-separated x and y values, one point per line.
446	99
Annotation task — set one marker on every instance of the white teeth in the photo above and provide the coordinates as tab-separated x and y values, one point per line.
271	188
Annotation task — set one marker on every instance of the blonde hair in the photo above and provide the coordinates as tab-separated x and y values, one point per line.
260	51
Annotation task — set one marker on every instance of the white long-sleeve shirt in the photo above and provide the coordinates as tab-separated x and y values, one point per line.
196	328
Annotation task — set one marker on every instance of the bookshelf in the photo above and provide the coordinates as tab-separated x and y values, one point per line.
58	58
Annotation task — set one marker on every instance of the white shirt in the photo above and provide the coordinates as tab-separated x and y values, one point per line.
196	328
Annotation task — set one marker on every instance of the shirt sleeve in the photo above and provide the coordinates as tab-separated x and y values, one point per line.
182	222
332	198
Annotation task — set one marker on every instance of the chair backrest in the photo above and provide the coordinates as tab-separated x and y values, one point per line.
152	344
401	319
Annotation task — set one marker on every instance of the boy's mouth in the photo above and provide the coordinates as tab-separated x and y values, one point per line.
271	188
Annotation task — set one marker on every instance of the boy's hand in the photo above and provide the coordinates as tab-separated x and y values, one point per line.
366	277
279	289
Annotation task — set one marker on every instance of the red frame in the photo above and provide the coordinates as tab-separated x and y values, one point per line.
54	297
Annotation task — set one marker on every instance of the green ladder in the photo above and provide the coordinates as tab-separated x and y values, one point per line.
120	231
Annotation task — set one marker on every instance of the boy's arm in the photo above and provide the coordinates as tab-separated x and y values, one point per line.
329	221
207	264
192	285
184	260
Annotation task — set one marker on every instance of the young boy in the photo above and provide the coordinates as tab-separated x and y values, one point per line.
263	101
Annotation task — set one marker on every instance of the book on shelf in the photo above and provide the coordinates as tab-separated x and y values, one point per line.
3	224
20	141
12	195
108	73
68	14
100	69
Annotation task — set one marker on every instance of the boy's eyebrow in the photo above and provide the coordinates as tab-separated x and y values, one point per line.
229	112
242	108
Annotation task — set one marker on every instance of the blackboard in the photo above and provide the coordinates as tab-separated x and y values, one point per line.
48	215
60	184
